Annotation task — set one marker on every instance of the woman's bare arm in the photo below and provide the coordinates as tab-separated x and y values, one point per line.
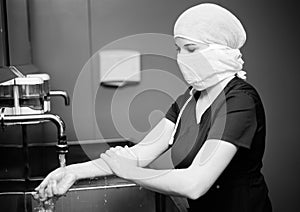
191	182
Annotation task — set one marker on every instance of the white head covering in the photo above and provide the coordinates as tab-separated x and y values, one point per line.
210	24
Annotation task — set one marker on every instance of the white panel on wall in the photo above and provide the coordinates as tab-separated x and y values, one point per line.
119	67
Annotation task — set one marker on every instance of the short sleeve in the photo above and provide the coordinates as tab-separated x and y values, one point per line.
235	121
173	112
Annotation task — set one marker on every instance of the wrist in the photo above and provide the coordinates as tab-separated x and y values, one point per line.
72	169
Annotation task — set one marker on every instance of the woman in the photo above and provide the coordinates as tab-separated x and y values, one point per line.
216	129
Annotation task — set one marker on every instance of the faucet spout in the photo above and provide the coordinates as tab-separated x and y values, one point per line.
64	94
16	119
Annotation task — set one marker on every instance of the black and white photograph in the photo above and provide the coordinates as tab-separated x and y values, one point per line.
149	106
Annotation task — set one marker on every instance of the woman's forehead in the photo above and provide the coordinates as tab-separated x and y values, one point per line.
180	41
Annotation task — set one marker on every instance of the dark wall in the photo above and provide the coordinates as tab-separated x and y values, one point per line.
271	61
65	33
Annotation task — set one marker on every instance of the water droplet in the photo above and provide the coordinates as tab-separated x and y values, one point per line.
105	194
46	206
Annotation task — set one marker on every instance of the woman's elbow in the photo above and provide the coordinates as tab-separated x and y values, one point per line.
193	195
196	189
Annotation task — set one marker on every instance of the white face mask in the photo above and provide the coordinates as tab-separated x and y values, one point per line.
209	66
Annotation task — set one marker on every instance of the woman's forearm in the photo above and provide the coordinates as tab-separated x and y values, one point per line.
154	143
176	182
90	169
194	181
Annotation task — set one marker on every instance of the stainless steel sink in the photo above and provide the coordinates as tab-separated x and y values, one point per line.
101	194
104	194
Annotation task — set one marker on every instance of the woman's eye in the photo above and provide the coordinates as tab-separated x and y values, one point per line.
191	49
177	49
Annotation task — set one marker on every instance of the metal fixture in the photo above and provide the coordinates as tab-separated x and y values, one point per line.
26	100
63	94
62	147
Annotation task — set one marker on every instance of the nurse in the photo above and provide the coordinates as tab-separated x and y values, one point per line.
214	132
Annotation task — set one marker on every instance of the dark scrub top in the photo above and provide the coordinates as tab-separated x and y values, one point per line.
236	116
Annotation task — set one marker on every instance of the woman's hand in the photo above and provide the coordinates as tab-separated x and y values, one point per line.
57	183
121	160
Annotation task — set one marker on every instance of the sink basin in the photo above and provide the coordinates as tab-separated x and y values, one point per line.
104	194
110	194
101	194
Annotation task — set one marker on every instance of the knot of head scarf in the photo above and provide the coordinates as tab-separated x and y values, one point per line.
210	24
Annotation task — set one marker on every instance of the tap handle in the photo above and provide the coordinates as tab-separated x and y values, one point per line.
16	71
64	94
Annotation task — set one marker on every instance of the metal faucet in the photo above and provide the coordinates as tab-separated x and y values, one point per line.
62	146
64	94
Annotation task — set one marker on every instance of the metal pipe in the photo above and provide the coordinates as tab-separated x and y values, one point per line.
64	94
37	117
62	146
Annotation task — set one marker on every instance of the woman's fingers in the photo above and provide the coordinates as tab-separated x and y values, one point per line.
110	153
37	188
54	187
116	148
42	195
35	196
120	151
43	185
48	190
55	184
45	189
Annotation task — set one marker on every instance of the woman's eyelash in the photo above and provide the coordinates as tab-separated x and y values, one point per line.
191	50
